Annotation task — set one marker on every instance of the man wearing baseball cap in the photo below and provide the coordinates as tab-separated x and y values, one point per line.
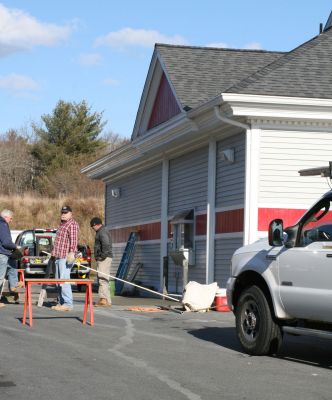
103	255
65	247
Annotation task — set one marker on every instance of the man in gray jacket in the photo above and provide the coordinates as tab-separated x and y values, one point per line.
103	255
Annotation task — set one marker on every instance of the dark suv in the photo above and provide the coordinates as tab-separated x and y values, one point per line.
37	246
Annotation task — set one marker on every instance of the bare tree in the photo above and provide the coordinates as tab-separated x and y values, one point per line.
16	163
113	141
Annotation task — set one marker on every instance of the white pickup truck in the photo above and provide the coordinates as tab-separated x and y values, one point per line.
283	284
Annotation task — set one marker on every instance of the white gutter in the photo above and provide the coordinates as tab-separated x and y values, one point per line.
228	120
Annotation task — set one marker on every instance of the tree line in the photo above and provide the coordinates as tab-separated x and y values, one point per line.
47	159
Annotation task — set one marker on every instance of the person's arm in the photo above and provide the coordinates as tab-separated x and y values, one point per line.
106	243
6	239
73	241
73	237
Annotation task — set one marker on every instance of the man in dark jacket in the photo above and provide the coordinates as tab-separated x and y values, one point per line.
103	255
6	249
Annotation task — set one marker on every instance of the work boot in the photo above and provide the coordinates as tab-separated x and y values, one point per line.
61	307
103	303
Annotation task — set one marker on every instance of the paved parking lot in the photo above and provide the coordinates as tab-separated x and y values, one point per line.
164	355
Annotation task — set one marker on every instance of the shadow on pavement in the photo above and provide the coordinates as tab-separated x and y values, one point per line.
20	319
302	350
225	337
305	350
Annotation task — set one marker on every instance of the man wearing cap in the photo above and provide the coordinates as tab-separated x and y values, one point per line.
65	247
103	255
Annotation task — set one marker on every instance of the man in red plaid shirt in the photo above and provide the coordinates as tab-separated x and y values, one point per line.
65	247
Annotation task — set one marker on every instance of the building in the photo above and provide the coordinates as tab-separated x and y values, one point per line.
220	135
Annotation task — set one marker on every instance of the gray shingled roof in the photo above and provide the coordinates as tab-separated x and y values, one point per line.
199	74
304	72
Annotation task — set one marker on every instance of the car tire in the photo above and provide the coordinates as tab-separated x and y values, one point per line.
256	329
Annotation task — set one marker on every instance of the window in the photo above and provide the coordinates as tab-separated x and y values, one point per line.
318	224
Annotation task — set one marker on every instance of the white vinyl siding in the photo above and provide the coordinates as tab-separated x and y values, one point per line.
282	155
188	182
230	176
224	249
139	200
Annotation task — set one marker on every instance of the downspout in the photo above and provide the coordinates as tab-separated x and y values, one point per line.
250	198
211	211
163	221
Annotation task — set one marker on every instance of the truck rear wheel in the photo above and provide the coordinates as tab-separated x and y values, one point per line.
256	329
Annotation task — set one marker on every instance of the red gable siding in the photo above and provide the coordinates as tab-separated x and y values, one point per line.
165	105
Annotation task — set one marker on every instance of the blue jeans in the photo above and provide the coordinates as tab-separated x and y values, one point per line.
3	266
62	271
12	273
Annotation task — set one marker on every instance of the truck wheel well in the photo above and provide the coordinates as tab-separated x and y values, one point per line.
251	278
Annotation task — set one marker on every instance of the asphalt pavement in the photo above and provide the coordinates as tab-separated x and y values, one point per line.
150	355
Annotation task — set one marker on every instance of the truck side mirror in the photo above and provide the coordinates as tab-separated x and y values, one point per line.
276	230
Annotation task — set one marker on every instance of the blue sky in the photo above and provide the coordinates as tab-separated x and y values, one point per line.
100	50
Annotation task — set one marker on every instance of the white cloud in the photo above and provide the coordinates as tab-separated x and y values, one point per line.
18	83
90	59
111	82
249	46
20	31
218	44
137	37
253	46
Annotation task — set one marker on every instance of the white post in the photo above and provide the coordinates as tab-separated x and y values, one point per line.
163	220
251	186
211	217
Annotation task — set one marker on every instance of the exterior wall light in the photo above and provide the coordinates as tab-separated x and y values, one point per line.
115	192
227	155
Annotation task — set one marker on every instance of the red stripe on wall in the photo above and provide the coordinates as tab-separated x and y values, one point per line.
201	222
170	232
289	217
226	222
230	221
266	215
146	232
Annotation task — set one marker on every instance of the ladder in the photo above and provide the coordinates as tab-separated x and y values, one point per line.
125	262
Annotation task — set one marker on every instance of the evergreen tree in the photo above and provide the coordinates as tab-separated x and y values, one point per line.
70	131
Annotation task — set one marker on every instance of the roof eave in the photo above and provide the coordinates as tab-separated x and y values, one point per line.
267	106
166	136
